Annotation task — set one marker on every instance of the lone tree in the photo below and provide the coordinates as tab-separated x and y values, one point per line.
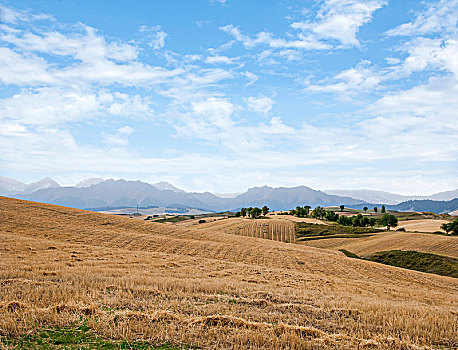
365	209
451	227
383	209
265	210
342	207
375	209
389	221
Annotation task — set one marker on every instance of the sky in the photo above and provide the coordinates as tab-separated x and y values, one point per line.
224	95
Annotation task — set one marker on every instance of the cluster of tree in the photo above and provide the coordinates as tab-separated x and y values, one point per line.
359	220
383	211
451	227
300	211
253	212
356	221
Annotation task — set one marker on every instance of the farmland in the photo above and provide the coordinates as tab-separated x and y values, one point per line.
427	243
277	230
140	283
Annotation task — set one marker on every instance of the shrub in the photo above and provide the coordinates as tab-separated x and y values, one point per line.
402	229
201	221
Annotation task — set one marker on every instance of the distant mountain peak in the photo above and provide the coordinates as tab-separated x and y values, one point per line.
44	183
166	186
12	185
89	182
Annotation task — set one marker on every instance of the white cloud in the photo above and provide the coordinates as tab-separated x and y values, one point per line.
264	38
221	59
336	20
154	36
341	19
94	60
222	2
426	53
9	15
252	78
57	106
363	77
277	127
290	55
261	104
438	17
16	69
120	138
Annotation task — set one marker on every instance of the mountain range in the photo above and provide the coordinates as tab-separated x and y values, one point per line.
97	193
371	196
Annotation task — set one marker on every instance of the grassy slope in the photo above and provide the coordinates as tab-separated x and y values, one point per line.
314	230
143	281
413	260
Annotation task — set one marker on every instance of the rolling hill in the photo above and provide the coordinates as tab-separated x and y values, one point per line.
69	270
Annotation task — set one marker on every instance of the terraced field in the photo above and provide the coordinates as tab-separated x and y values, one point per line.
123	279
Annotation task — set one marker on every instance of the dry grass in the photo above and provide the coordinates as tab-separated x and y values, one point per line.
425	225
298	219
421	242
132	279
277	230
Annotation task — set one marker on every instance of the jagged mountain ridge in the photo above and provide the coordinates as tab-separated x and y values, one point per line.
116	193
10	186
93	194
373	196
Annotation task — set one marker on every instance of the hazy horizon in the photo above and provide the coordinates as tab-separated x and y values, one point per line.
225	95
234	194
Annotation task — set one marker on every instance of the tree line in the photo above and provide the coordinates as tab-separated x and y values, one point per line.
319	212
252	212
359	220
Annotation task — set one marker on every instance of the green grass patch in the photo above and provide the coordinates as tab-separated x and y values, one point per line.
177	218
78	337
349	254
312	238
406	216
304	229
413	260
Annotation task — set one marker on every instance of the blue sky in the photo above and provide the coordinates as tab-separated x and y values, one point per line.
226	95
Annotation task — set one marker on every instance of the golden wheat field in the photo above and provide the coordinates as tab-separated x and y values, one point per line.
425	225
427	243
202	285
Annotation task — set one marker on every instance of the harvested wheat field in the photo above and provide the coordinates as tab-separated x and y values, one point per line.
191	285
422	242
299	219
277	230
425	225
